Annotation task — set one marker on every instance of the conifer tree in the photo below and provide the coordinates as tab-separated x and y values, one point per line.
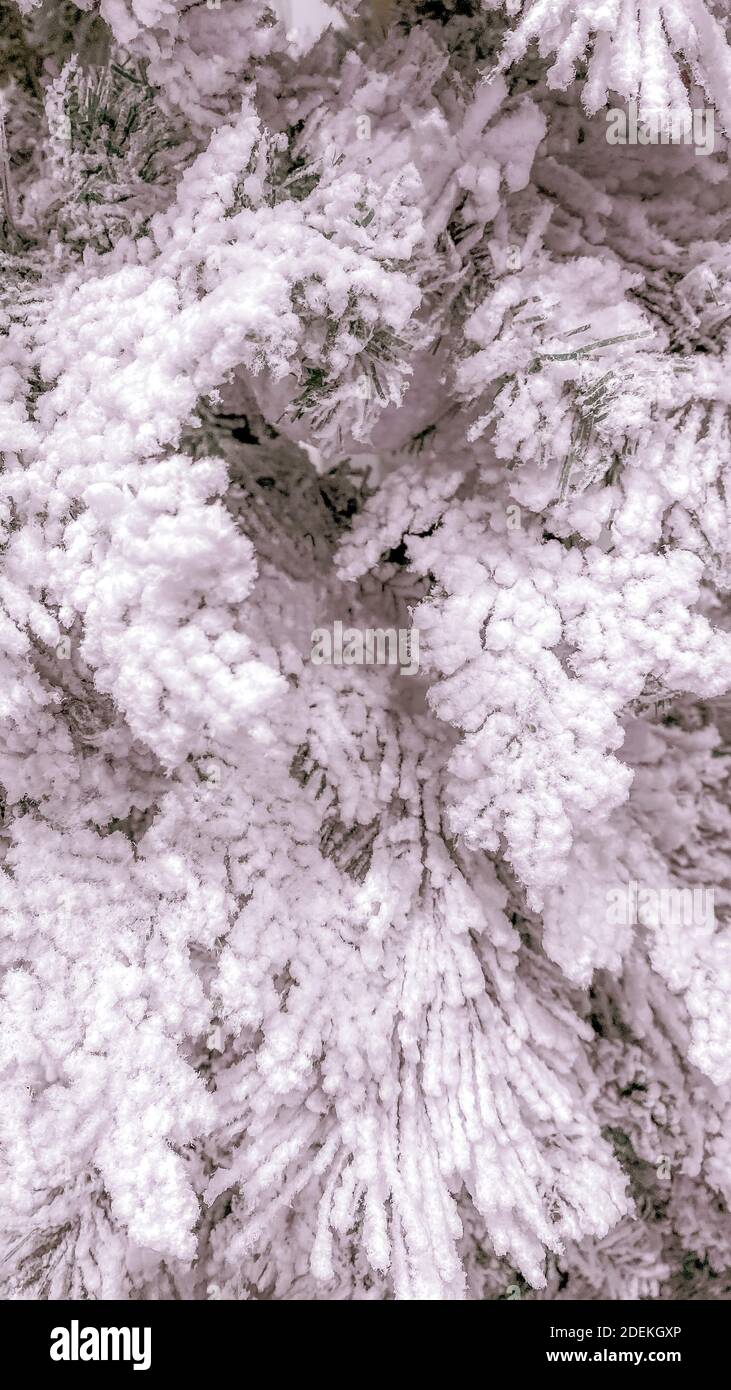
327	980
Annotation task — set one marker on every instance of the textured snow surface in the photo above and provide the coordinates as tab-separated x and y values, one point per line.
329	979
